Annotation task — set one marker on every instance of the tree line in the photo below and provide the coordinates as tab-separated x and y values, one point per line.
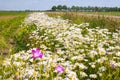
87	9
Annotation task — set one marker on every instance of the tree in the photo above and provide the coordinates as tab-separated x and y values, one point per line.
73	8
64	7
54	8
59	7
77	8
96	9
89	8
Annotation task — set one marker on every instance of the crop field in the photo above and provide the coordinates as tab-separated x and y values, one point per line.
59	46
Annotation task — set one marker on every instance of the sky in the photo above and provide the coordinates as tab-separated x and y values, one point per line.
47	4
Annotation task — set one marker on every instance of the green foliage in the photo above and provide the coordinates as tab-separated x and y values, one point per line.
59	8
54	8
22	37
64	7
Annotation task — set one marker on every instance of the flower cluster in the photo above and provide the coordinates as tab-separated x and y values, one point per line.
60	50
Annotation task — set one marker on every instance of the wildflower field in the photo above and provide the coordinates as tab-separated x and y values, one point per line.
56	49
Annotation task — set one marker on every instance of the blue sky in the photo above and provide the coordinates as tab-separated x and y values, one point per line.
47	4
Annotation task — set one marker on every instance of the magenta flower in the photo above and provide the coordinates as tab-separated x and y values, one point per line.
59	68
37	53
113	65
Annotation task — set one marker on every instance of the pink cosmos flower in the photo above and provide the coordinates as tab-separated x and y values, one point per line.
37	53
59	68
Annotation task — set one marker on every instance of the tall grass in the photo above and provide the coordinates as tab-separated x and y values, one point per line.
95	21
104	13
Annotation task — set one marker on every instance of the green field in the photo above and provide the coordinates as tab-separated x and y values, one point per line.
13	13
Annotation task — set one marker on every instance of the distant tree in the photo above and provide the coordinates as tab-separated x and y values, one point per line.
59	7
68	8
64	7
77	8
119	9
96	9
54	8
73	8
86	9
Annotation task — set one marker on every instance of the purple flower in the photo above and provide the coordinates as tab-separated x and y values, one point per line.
113	65
59	68
37	53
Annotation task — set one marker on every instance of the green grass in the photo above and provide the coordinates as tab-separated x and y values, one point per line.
10	28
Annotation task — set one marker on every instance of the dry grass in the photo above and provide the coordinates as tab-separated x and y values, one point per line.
7	17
